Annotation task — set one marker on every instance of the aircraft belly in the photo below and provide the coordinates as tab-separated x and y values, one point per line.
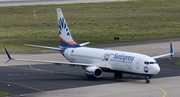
122	66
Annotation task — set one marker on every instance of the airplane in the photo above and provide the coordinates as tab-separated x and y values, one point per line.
95	61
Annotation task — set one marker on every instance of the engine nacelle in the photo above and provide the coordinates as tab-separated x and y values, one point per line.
91	72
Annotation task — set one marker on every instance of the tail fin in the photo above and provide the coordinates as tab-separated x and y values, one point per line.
65	36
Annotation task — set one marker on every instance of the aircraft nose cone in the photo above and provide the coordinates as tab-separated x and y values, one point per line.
156	69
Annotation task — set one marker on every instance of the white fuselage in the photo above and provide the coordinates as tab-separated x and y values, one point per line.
122	61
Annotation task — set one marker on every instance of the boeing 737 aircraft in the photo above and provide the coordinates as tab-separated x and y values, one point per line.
95	61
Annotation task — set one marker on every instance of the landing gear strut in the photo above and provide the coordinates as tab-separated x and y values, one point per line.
118	75
147	79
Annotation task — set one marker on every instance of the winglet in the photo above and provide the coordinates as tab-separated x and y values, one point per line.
7	53
171	48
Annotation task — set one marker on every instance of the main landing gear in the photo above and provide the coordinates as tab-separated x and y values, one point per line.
118	75
147	79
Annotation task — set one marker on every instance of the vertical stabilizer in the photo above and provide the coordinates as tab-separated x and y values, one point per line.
66	39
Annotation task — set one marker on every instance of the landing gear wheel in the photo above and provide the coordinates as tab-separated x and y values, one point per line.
147	81
118	75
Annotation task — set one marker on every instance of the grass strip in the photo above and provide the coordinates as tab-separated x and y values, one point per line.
3	94
177	63
97	23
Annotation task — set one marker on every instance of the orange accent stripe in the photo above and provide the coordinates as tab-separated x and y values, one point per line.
70	42
170	41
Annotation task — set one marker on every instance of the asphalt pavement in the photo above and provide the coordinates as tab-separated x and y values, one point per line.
46	77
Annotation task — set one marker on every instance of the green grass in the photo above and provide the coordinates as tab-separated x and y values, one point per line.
3	94
177	63
97	23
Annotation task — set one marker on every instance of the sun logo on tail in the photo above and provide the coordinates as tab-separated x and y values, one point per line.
63	26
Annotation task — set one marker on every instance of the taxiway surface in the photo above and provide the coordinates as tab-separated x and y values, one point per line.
23	77
48	80
46	77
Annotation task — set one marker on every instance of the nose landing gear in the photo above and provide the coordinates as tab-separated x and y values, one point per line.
147	79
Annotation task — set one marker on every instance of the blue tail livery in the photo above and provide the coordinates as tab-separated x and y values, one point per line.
66	39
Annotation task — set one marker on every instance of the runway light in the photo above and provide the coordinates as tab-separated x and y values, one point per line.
8	85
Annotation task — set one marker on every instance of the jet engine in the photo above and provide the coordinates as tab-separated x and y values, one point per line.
93	72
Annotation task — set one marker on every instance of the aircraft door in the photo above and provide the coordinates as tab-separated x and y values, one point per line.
138	63
130	66
67	54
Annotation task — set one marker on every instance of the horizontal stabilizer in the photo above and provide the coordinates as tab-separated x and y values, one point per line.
83	44
52	48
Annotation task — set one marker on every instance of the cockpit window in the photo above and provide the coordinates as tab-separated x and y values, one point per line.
147	63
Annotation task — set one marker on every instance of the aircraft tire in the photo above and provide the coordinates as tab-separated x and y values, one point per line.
147	81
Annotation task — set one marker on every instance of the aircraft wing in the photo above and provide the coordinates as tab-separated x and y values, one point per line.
47	47
54	62
168	54
46	61
160	56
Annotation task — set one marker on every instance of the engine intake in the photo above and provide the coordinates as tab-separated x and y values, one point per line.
93	72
